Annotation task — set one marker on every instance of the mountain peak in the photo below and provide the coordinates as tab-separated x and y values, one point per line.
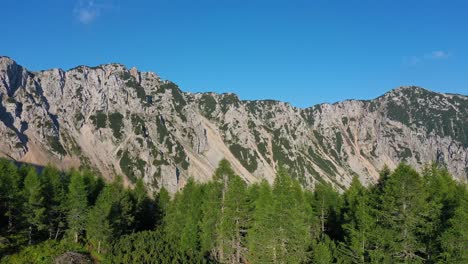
118	120
6	62
408	89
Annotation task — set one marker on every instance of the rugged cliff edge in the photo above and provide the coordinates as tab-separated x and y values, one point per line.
122	121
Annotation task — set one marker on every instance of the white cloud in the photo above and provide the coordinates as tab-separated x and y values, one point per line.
438	55
86	16
87	11
413	60
434	55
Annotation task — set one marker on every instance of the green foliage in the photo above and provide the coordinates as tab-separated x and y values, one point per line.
77	205
54	185
99	120
406	217
443	121
242	154
55	145
34	204
138	124
357	222
141	247
132	83
403	214
339	140
207	104
128	164
179	100
115	123
161	129
324	164
43	253
182	221
180	156
111	217
261	230
227	101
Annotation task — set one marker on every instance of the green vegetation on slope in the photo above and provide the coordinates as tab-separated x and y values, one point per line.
407	217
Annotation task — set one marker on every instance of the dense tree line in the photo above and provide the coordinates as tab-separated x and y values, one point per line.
408	217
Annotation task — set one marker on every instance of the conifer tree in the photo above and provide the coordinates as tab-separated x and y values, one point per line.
327	204
182	221
323	251
144	208
55	198
234	220
94	185
10	196
110	217
291	234
403	214
34	207
209	224
162	202
454	240
77	203
261	233
357	221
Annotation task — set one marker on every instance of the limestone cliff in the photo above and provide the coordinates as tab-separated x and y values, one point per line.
122	121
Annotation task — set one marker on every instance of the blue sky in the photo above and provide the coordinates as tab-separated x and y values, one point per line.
300	51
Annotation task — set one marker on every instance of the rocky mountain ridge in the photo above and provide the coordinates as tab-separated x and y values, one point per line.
123	121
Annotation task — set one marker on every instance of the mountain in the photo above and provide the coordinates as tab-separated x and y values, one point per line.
123	121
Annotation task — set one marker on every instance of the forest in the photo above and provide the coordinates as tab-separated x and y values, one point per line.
407	217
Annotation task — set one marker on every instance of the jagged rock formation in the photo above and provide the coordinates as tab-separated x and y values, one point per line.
122	121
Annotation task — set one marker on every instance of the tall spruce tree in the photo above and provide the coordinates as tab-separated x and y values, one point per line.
10	197
403	214
145	209
77	205
55	197
110	217
454	240
327	204
34	207
358	222
182	222
261	233
234	221
290	226
209	224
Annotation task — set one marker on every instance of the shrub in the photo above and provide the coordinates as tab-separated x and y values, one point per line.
115	120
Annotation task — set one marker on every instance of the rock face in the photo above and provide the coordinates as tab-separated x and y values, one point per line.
122	121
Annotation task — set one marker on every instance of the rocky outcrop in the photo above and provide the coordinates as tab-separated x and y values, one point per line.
122	121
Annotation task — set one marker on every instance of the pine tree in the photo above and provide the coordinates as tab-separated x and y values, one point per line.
454	240
403	214
34	207
261	233
233	221
162	202
145	214
110	217
209	224
55	198
94	185
357	221
327	204
77	203
10	196
182	221
323	251
291	233
441	203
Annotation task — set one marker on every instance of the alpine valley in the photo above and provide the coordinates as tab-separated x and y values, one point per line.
121	121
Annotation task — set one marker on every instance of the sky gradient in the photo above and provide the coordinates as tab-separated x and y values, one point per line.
300	51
